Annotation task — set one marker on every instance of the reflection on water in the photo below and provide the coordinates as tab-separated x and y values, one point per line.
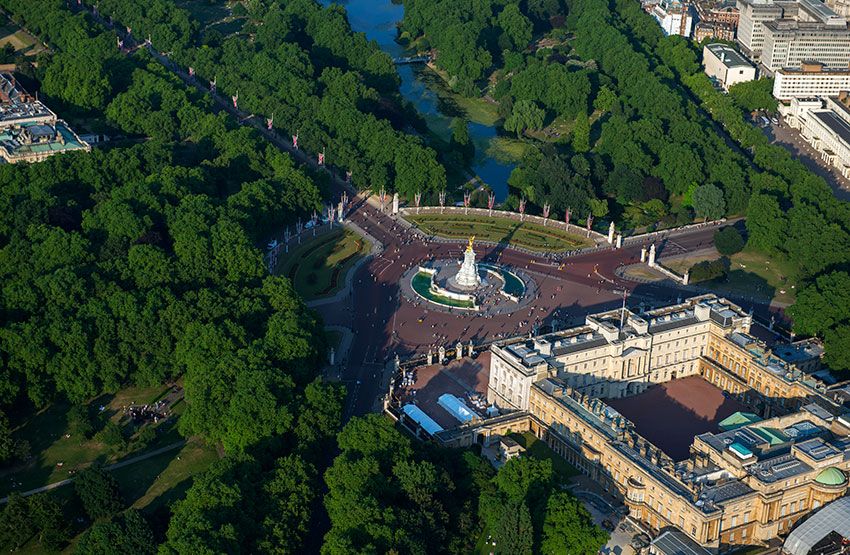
377	20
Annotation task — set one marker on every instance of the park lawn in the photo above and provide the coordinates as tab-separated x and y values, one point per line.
527	235
148	485
162	479
643	272
46	430
318	267
750	273
421	283
23	42
560	129
539	450
683	264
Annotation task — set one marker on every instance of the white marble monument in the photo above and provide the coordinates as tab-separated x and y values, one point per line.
468	276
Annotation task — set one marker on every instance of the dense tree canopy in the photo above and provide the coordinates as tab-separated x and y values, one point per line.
306	67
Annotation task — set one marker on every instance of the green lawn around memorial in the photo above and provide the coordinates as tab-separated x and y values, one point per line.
526	235
319	265
421	283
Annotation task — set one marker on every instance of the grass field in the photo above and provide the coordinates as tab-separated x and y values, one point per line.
318	267
150	485
24	43
54	455
160	480
500	230
750	273
539	450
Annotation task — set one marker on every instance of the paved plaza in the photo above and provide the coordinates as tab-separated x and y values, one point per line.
385	322
465	379
671	414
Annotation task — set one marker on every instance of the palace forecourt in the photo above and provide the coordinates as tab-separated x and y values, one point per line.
692	421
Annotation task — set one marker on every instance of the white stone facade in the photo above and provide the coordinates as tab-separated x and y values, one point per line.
604	359
726	65
809	82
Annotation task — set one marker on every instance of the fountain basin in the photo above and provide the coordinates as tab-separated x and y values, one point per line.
423	285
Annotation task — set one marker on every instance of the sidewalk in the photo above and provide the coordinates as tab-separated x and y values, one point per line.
120	464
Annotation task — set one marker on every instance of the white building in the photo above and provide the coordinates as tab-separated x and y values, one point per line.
784	33
726	65
824	124
615	353
752	16
791	43
809	81
841	7
675	17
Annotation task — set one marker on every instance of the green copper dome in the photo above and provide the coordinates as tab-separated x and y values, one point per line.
831	477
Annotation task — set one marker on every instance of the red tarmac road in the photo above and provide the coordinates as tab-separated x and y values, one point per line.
385	323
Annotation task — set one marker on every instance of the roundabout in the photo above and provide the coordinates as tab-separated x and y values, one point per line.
450	285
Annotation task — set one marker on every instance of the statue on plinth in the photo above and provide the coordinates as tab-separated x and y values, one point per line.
468	275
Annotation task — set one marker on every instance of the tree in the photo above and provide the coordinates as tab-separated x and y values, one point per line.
16	526
822	304
754	95
709	202
98	492
581	133
605	99
7	442
525	115
112	436
516	26
598	207
679	166
766	223
708	270
525	480
125	533
568	527
514	533
79	422
460	141
728	241
49	521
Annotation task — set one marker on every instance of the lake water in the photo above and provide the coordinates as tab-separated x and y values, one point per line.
377	20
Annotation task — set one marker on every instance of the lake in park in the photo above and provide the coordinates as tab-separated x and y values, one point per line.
377	20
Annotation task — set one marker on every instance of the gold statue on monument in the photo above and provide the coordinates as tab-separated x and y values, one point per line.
471	240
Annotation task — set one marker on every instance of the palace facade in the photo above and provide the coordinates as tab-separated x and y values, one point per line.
746	482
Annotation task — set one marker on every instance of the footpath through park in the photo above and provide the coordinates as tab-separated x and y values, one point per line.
115	466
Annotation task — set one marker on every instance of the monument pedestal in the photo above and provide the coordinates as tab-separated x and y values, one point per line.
468	277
